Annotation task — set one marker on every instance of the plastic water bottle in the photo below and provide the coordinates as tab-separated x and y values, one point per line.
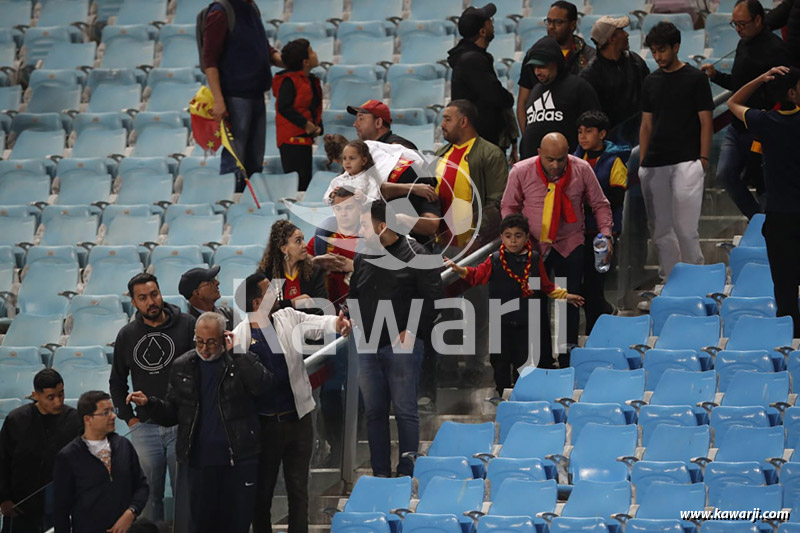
600	245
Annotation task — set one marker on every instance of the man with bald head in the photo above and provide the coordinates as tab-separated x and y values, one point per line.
550	190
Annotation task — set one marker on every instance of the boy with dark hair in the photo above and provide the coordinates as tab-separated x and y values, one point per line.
608	162
99	484
508	272
29	440
298	104
674	144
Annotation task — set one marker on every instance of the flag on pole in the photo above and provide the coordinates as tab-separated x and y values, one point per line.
210	135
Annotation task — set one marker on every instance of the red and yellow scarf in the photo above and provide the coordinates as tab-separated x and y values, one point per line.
523	279
556	202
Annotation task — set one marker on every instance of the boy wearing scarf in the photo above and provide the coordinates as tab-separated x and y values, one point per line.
508	272
550	191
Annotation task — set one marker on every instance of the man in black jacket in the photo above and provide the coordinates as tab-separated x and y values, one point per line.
200	287
146	348
474	78
212	399
389	365
556	102
617	75
374	123
787	14
758	51
31	437
99	484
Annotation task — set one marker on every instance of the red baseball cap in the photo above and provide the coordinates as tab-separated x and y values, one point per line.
375	108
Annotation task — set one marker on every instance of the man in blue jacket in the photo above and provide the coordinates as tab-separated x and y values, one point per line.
99	484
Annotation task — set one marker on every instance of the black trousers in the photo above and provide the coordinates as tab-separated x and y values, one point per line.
782	234
571	268
290	444
513	354
297	158
594	287
222	497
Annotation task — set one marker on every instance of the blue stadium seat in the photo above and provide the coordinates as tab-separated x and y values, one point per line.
159	134
206	185
409	92
39	293
643	525
594	456
90	356
32	144
759	333
186	255
582	413
662	307
509	413
20	356
360	523
373	494
667	500
548	385
39	40
683	21
679	443
530	29
692	333
755	280
613	7
238	255
179	46
110	268
516	497
422	10
314	10
309	217
421	48
53	255
680	387
658	361
427	468
451	497
187	210
736	497
169	275
768	390
421	135
79	378
171	96
725	417
17	382
535	441
69	56
505	524
454	439
16	13
22	189
607	385
596	499
127	50
696	280
651	416
728	362
612	331
70	230
790	483
586	360
144	189
791	422
578	525
142	11
195	230
357	47
125	230
727	526
33	330
83	186
230	272
645	473
97	330
753	238
366	28
742	256
743	443
350	91
272	187
371	10
95	305
432	523
502	469
14	230
734	308
114	98
718	475
145	166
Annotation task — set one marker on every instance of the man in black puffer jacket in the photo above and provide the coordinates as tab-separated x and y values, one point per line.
211	397
474	78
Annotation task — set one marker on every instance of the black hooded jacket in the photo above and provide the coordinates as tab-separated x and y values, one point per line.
29	442
554	107
147	354
474	79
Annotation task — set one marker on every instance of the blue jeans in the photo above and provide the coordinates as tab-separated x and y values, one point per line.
155	446
732	161
391	378
247	118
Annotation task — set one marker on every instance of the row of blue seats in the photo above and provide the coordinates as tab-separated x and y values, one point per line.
376	505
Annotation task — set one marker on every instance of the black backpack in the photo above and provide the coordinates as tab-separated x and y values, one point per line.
200	28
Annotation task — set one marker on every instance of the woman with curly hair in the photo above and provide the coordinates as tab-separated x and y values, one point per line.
286	258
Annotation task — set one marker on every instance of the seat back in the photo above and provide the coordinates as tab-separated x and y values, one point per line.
611	331
678	443
733	308
689	332
758	333
372	494
743	443
505	524
597	499
451	496
607	385
533	440
666	500
594	456
680	387
586	360
657	361
517	497
718	475
427	468
663	307
503	469
508	413
645	473
757	388
652	416
462	440
728	362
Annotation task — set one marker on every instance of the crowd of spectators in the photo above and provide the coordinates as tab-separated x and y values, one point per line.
222	402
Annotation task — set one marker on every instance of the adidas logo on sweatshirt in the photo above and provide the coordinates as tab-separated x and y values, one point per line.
543	110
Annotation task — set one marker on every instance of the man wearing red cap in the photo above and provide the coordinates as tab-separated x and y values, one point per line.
374	123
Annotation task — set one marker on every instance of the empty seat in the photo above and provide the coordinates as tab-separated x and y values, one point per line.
179	46
516	497
206	185
718	475
454	439
451	497
79	378
509	413
68	56
252	229
33	330
734	308
33	144
735	497
596	499
503	469
742	256
755	280
606	385
360	523
159	134
527	440
728	362
39	293
759	333
743	443
663	307
586	360
497	524
651	416
17	382
374	494
594	456
753	238
20	356
645	473
97	330
679	443
195	230
132	230
582	413
358	48
144	189
612	331
427	468
658	361
667	500
90	356
70	230
767	390
548	385
690	333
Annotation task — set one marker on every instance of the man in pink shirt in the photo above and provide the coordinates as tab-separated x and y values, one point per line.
551	190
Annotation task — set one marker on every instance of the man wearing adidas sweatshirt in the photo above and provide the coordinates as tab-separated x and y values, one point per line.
145	349
556	102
